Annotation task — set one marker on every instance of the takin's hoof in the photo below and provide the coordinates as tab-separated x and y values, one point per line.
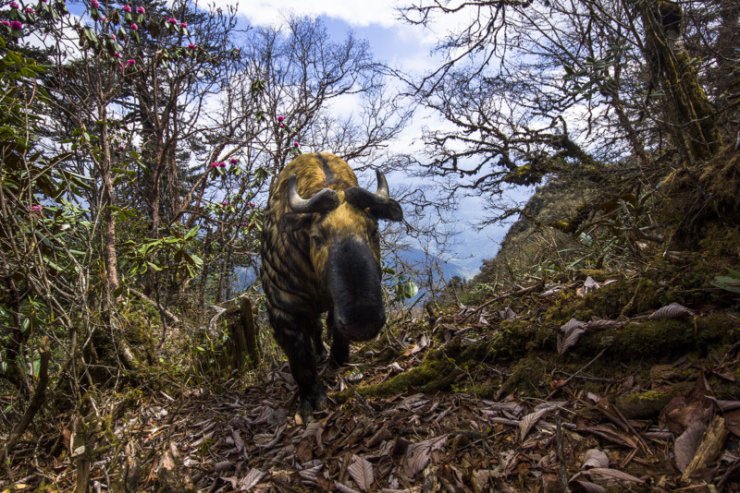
312	403
339	356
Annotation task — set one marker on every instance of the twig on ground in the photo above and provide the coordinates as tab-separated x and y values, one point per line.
520	292
570	378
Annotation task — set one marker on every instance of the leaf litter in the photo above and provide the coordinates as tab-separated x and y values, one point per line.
247	439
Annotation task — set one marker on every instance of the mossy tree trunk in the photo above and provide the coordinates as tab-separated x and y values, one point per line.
689	112
244	336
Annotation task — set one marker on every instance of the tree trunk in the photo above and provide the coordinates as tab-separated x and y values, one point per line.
244	336
109	220
691	116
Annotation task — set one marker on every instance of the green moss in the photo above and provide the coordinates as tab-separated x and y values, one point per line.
529	376
436	372
658	338
484	390
510	340
723	389
649	403
718	326
565	306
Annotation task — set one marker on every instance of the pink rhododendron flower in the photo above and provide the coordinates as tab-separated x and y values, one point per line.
130	62
192	46
117	55
127	9
296	144
282	125
16	25
134	26
280	118
250	205
172	20
13	5
95	4
140	10
225	203
5	23
30	10
233	160
221	164
36	208
183	24
214	164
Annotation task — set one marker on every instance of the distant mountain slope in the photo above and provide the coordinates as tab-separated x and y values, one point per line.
538	233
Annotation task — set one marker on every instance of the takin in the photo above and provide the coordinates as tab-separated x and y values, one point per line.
321	253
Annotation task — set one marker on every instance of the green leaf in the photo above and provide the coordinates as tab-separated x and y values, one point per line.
194	259
729	283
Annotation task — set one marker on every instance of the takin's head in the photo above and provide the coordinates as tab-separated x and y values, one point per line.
345	251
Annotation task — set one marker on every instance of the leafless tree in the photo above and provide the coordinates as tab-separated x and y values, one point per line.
550	87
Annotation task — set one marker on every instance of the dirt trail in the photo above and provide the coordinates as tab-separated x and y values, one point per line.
444	441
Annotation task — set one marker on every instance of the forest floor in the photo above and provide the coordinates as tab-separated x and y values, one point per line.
440	404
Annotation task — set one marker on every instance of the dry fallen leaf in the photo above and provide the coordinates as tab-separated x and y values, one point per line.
674	310
253	477
609	433
725	406
685	446
595	458
572	331
361	471
590	285
419	454
606	474
507	314
528	421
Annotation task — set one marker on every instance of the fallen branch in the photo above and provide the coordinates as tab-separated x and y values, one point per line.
520	292
709	449
163	310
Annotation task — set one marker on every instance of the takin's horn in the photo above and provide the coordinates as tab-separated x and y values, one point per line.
380	204
382	190
323	201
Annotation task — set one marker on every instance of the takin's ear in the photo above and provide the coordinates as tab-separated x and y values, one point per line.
379	207
293	220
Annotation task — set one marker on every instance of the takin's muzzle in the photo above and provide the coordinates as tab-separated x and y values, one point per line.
353	280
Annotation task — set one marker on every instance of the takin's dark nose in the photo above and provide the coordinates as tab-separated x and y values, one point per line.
360	323
354	285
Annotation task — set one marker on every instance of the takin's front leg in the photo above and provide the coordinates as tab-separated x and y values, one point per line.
339	344
318	343
298	346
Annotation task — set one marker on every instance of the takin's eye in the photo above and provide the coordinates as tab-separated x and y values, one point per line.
317	240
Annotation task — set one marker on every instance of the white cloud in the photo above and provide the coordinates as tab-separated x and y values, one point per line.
354	13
